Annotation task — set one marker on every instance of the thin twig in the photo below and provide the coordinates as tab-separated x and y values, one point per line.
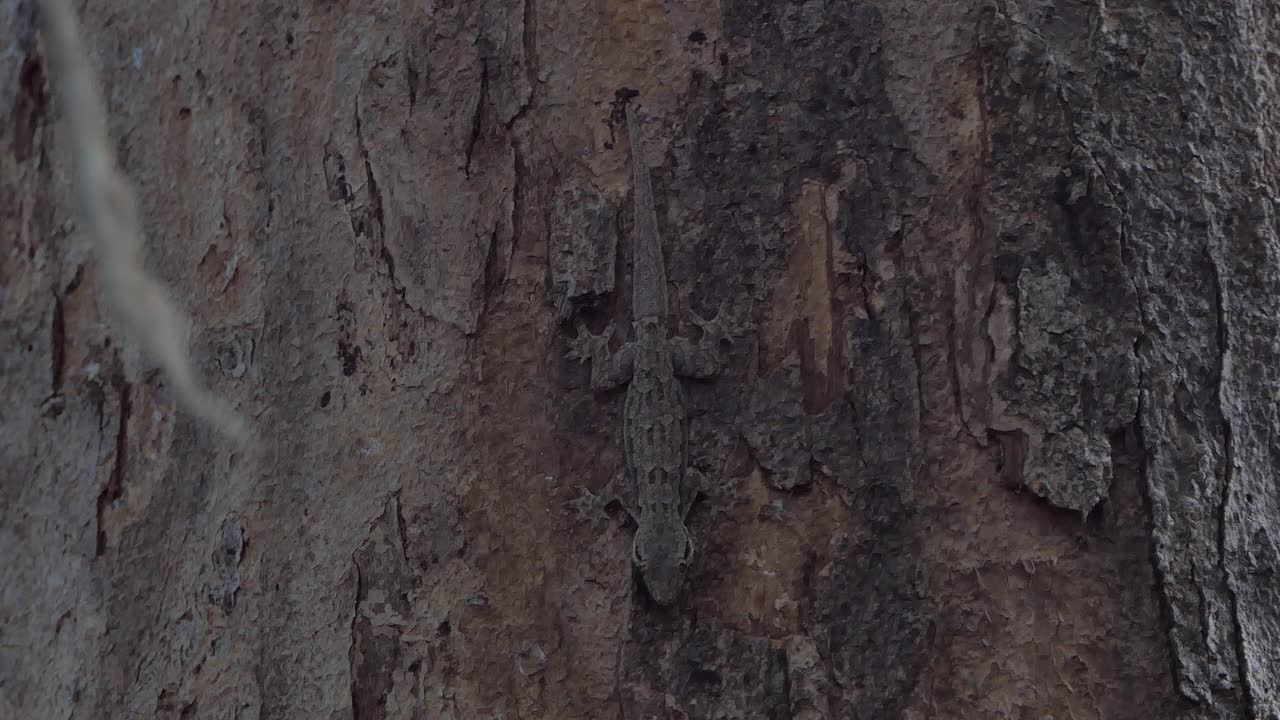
110	210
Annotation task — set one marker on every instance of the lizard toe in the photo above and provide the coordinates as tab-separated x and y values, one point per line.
588	507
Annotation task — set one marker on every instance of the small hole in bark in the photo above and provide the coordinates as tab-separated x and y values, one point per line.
1096	519
443	629
324	399
697	36
706	677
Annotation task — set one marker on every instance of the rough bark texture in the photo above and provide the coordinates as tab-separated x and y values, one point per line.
1002	411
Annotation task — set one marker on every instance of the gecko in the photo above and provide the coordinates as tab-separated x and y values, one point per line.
656	485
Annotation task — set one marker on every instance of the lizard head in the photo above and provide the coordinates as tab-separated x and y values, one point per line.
662	553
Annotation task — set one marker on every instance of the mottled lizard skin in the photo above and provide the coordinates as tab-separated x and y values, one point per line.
657	485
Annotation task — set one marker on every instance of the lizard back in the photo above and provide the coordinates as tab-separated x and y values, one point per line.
655	429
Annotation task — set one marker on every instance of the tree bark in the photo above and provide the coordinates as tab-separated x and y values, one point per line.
1001	409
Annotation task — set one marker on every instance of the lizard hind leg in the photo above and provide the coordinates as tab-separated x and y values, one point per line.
718	327
700	359
587	346
608	371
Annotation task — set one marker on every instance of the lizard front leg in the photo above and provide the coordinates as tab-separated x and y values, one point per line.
590	507
723	494
607	371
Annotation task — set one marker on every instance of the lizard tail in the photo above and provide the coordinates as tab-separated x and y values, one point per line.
649	278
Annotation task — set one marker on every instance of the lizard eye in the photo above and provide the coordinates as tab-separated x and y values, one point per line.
636	557
688	551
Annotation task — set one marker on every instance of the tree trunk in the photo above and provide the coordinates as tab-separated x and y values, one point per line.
1000	410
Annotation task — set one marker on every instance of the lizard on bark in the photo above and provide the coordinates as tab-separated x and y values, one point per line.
657	486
